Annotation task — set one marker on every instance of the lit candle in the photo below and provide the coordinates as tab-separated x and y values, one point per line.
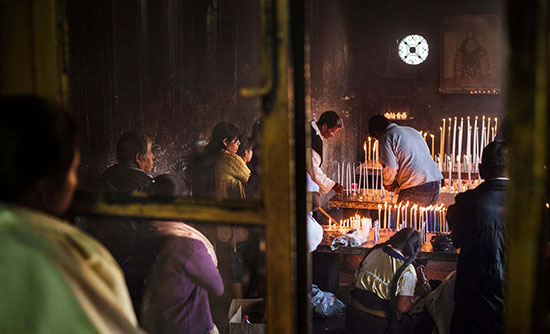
459	156
398	214
433	146
488	130
469	141
454	144
365	148
369	149
476	144
442	146
496	126
379	212
385	215
389	216
483	138
448	149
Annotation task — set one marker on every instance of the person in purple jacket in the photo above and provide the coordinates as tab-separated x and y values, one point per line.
182	276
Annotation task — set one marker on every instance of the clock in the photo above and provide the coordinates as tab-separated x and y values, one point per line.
413	49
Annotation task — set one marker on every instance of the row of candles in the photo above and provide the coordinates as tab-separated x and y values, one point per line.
476	139
397	216
369	186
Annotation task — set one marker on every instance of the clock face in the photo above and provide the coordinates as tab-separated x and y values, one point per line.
413	49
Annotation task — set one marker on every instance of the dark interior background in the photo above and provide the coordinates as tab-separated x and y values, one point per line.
174	69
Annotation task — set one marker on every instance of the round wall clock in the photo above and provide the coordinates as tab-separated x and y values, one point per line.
413	49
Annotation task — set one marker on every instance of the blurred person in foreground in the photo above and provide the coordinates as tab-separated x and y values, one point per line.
55	278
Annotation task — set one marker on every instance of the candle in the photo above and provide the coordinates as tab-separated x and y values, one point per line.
474	157
389	216
496	126
365	148
360	178
433	146
468	141
398	214
379	212
483	140
370	149
339	181
488	130
354	179
459	156
349	178
385	225
442	143
366	182
450	175
454	144
449	137
469	164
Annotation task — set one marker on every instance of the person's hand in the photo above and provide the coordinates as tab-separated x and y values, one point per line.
422	285
338	188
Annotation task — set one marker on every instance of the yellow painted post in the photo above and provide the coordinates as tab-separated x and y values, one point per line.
528	124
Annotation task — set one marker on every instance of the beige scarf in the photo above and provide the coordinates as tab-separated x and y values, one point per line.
183	230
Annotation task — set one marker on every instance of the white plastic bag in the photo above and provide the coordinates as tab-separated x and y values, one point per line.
325	302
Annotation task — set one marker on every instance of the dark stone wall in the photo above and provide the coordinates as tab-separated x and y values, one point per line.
170	68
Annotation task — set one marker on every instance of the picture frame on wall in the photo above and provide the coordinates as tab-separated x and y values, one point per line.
471	56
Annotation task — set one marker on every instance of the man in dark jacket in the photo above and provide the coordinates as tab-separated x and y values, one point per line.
135	161
119	235
478	229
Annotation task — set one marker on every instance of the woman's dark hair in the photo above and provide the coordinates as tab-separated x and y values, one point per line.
408	241
331	119
246	144
166	185
378	123
220	132
38	140
130	144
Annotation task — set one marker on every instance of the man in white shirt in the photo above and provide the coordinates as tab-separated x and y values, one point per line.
327	126
407	164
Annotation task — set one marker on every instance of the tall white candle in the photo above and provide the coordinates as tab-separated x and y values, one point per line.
483	138
365	181
339	181
450	174
354	178
469	141
360	179
469	172
349	178
488	130
459	169
460	131
454	144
